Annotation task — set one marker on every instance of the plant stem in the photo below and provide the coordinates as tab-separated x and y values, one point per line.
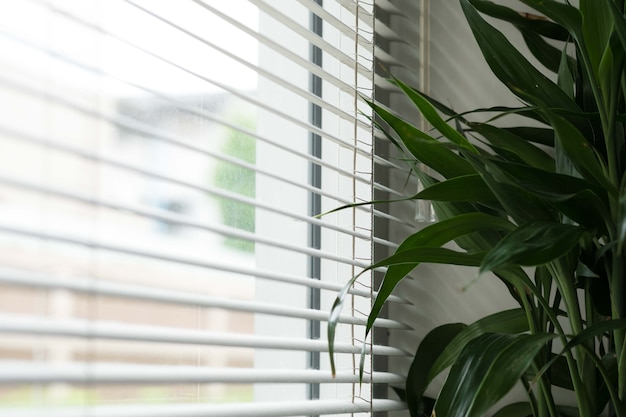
589	368
531	396
545	404
618	293
566	287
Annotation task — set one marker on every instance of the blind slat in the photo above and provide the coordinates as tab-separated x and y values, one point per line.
303	63
53	144
181	220
311	37
147	253
148	173
262	72
291	119
263	409
210	265
243	96
112	373
21	324
328	18
146	130
100	287
356	9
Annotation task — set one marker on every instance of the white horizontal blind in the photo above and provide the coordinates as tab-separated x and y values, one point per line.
155	208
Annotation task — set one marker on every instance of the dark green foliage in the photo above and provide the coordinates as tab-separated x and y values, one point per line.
552	197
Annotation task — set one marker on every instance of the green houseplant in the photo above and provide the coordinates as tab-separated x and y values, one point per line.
548	194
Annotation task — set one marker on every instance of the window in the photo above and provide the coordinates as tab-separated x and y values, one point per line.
162	163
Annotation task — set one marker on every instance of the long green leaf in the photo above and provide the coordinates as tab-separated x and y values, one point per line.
507	321
565	15
415	256
596	29
465	188
621	225
428	239
548	184
540	135
621	366
526	151
430	114
526	111
515	410
427	353
511	67
410	257
520	204
593	331
568	411
565	79
502	111
620	22
580	152
546	54
610	71
475	242
532	244
581	339
609	363
571	19
576	198
487	369
524	21
424	147
560	374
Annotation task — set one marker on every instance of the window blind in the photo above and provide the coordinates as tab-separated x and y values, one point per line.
162	165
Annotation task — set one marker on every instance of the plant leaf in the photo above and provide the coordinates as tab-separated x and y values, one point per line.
529	112
400	392
621	226
487	369
425	148
595	330
515	410
559	374
430	114
565	79
568	411
539	135
427	239
565	15
427	353
610	364
511	67
580	152
464	188
504	139
546	54
409	257
619	20
532	244
592	331
520	204
596	29
571	19
537	25
507	321
574	197
610	70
